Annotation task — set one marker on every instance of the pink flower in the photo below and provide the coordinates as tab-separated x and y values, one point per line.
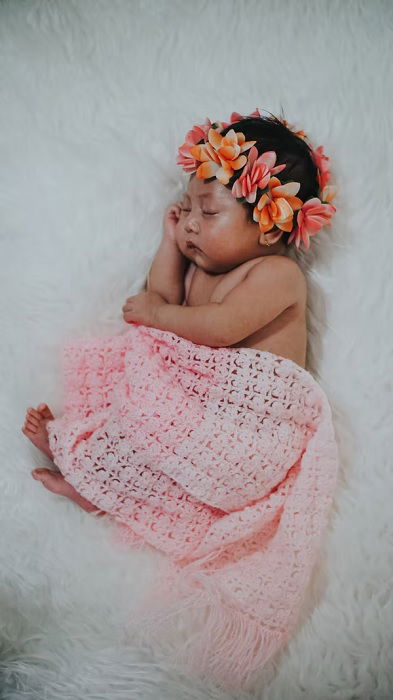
256	173
236	117
322	163
198	132
311	217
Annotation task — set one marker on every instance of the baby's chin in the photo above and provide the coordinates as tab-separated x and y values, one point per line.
194	255
199	259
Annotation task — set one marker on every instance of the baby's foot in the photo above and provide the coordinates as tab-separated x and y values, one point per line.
55	482
35	427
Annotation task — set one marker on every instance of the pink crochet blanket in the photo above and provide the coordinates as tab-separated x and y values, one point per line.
223	459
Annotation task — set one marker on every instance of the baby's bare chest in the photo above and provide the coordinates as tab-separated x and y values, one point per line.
201	288
286	335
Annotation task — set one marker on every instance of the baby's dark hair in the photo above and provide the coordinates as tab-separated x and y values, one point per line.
271	134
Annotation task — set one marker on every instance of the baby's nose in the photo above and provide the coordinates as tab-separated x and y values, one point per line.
192	224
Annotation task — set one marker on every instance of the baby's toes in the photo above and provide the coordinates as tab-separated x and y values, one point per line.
45	411
29	427
53	481
32	417
42	474
32	420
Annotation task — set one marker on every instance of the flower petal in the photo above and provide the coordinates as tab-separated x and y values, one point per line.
329	192
277	169
207	169
223	175
229	152
239	162
199	153
252	195
246	145
235	117
264	199
265	218
237	189
232	136
284	210
295	202
268	158
214	138
212	153
290	188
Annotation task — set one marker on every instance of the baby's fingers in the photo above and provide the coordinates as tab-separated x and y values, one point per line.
175	210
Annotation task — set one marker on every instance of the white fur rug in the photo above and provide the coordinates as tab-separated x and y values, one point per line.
95	98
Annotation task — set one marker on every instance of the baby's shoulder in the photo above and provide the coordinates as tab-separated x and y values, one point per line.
280	269
266	264
285	263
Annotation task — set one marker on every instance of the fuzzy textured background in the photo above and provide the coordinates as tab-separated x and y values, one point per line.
95	98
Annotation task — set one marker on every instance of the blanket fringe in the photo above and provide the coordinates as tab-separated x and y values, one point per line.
218	641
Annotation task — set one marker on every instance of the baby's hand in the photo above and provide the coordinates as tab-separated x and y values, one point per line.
142	308
171	219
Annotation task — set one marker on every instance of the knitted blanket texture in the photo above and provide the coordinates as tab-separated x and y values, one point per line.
224	460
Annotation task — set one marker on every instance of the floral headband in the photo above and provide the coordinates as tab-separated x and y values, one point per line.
220	156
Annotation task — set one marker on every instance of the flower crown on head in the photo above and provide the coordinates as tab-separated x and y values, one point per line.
223	156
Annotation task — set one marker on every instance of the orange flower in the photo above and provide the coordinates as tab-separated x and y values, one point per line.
276	208
312	216
328	193
222	155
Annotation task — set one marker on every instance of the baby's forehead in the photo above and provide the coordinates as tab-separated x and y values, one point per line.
200	195
201	191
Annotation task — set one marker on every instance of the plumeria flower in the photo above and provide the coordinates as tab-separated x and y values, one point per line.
236	117
220	126
221	155
256	173
311	217
197	133
328	193
322	163
276	207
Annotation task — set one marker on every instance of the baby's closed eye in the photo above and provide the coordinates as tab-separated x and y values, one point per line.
209	213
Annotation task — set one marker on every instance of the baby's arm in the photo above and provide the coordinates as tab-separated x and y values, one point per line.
201	324
166	274
265	292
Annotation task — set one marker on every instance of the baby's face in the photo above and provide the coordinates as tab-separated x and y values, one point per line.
217	225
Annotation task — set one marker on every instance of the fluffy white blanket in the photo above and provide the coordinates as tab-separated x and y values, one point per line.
95	97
